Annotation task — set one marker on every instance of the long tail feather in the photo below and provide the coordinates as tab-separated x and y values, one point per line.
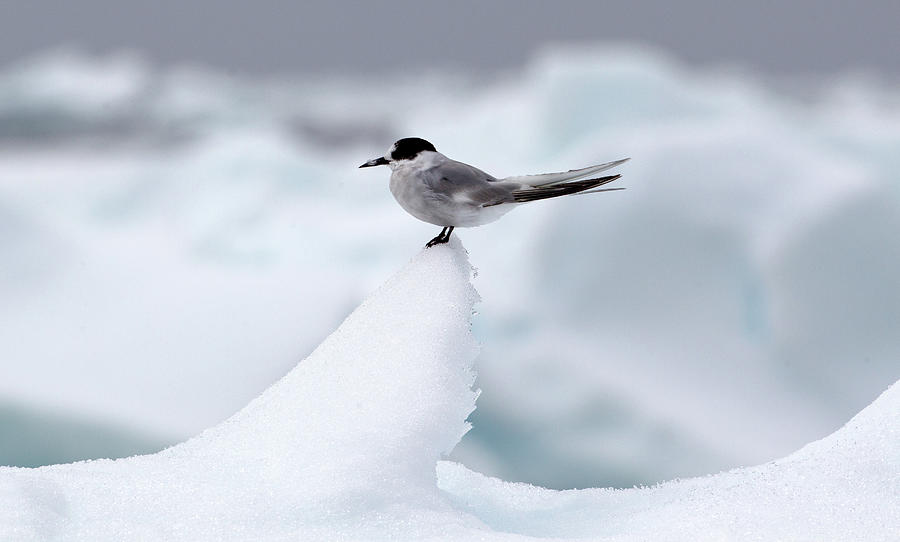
560	189
598	190
563	176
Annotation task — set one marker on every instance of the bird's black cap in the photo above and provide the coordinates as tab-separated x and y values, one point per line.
408	147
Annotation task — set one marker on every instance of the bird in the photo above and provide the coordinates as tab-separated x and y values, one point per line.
452	194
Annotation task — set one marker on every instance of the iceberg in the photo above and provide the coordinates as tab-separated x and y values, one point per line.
349	446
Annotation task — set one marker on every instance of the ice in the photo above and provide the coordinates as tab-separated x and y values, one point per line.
347	445
843	487
41	438
171	242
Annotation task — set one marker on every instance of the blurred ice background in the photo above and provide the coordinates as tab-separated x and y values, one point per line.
182	220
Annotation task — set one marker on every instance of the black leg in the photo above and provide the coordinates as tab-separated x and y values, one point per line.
442	237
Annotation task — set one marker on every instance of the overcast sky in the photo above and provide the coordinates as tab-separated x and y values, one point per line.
798	37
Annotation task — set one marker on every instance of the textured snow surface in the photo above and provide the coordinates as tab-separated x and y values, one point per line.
346	445
843	487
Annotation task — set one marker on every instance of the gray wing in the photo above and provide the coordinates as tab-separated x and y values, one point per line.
463	183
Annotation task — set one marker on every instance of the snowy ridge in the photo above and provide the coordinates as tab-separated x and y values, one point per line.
350	437
345	446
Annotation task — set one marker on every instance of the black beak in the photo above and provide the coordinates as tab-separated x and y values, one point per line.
380	161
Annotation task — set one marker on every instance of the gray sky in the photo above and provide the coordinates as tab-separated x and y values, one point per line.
799	37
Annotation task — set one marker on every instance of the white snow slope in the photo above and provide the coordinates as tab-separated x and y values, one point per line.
346	445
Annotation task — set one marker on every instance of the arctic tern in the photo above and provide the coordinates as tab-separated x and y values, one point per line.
451	194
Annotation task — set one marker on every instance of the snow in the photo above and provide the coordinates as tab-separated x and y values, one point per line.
172	242
346	447
843	487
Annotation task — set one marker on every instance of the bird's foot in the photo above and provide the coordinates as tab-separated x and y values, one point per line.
441	238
